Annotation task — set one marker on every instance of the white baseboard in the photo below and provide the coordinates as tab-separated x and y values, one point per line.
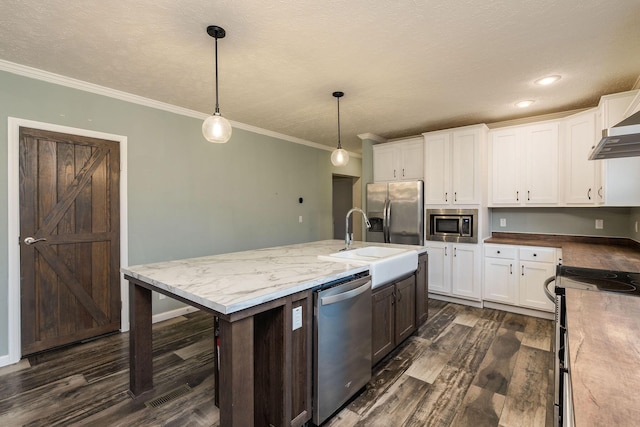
520	310
173	313
477	304
5	360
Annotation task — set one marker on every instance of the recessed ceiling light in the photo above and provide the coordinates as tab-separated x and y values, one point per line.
547	80
524	104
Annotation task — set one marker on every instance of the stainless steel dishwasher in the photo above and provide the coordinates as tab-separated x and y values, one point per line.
342	343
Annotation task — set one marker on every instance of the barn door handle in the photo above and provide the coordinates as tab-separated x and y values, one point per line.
31	240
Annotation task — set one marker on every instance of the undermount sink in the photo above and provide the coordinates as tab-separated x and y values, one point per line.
385	264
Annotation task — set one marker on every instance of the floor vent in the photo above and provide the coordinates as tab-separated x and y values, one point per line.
168	396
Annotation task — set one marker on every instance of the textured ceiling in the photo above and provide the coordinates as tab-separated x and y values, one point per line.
406	67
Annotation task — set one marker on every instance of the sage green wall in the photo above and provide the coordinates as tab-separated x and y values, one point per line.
572	221
186	197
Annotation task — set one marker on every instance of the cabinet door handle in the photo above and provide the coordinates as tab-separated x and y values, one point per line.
498	252
445	251
517	196
394	173
455	196
523	270
528	195
399	296
589	194
600	192
510	268
455	252
403	172
446	197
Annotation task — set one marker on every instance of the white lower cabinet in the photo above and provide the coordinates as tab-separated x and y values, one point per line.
514	275
501	274
454	269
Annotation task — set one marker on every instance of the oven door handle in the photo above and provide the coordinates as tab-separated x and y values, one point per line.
545	288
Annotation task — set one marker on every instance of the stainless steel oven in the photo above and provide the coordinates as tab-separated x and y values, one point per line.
453	225
562	400
586	279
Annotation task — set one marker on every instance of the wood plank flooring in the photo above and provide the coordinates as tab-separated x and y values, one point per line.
464	367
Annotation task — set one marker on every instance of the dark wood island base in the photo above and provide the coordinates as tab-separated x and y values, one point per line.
265	366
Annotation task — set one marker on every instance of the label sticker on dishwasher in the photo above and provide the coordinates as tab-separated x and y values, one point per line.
297	318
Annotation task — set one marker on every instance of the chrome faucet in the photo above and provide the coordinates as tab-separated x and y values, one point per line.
349	237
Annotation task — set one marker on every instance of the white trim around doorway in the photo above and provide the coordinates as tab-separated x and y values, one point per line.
13	297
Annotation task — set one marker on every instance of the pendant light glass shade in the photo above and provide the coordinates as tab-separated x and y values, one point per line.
339	156
216	128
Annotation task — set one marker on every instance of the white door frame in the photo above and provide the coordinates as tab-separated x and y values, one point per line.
13	297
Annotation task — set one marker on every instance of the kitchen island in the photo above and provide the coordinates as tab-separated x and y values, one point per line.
264	368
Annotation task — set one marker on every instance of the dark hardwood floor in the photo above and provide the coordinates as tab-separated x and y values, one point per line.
464	367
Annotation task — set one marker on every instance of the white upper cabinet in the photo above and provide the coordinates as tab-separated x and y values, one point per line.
399	161
436	168
621	177
453	160
505	166
541	163
582	177
385	159
524	165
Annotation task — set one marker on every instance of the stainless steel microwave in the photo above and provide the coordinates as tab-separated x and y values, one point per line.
453	225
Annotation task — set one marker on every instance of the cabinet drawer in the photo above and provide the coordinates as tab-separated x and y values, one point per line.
538	254
506	252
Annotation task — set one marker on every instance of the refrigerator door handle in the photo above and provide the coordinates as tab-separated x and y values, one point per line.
387	220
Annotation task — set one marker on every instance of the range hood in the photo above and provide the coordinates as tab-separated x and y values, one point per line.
621	140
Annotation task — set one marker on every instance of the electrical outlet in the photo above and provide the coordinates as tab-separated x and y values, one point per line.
297	318
503	222
636	226
599	224
300	219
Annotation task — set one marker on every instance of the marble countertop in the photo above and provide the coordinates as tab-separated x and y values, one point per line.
231	282
604	351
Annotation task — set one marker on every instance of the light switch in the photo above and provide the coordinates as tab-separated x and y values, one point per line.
297	318
300	219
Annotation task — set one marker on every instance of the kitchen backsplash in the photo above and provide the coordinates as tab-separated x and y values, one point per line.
617	222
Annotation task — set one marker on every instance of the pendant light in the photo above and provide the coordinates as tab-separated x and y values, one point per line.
339	156
216	128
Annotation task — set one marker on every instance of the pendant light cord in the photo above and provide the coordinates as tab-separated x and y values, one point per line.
217	105
339	144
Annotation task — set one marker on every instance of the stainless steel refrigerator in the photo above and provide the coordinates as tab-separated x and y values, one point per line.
396	212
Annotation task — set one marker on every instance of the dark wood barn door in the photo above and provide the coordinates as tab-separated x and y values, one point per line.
69	238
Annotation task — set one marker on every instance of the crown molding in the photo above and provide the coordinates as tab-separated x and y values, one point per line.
371	137
46	76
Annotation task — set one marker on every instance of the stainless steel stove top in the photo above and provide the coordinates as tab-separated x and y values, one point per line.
590	279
